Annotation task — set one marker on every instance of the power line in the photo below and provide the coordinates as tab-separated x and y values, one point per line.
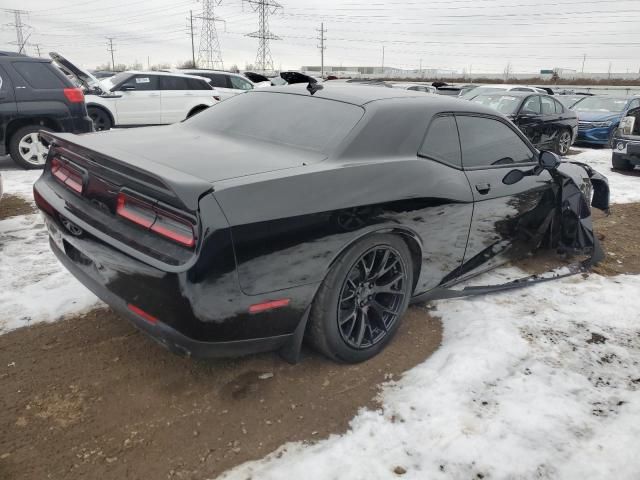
322	48
209	54
264	60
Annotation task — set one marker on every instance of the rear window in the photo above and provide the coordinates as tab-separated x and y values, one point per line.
41	75
304	122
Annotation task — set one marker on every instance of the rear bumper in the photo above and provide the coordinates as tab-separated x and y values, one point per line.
199	312
165	335
77	125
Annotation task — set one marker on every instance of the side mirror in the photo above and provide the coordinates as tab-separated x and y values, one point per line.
549	160
126	87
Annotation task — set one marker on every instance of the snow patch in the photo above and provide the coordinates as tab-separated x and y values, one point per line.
536	383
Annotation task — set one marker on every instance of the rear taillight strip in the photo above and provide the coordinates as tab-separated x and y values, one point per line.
67	174
156	219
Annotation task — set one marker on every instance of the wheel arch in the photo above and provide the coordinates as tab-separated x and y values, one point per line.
408	236
104	109
18	123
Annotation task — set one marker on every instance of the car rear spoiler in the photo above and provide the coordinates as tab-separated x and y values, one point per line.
170	185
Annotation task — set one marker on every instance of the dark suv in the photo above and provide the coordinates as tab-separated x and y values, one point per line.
35	95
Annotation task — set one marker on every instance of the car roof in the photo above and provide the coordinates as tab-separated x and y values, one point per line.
362	95
514	94
163	74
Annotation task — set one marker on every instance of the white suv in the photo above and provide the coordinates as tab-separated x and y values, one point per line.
136	98
227	84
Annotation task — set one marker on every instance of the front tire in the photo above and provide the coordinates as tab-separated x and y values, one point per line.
27	148
620	162
360	303
101	119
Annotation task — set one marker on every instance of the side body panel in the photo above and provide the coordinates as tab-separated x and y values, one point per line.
311	219
8	107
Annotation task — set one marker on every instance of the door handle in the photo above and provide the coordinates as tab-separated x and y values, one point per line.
483	188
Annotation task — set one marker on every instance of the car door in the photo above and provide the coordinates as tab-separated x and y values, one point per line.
508	220
551	123
443	222
139	100
529	119
8	108
176	98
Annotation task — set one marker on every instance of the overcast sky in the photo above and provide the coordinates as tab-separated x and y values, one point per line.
476	35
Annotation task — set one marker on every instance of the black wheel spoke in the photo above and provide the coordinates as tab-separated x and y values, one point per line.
372	297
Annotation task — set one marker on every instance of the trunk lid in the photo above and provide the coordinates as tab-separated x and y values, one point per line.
84	78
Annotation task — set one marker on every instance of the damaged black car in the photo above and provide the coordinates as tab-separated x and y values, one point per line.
306	212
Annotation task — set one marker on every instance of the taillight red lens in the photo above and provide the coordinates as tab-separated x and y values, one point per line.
67	174
156	219
74	95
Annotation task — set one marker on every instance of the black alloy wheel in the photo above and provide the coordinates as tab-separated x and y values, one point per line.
372	297
360	303
563	143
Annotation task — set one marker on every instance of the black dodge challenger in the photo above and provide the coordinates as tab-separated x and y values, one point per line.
310	212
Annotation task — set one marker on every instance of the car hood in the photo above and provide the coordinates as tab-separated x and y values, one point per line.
205	155
597	116
83	77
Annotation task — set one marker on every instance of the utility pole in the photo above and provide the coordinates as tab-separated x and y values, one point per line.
19	26
209	54
609	74
584	58
37	45
193	51
421	76
264	8
322	48
110	49
383	60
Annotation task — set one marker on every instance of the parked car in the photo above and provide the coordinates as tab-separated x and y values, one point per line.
569	100
473	93
226	84
134	98
599	117
416	87
224	235
626	142
35	96
545	121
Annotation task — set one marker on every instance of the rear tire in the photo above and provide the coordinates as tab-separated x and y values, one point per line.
563	143
620	162
360	303
101	118
27	148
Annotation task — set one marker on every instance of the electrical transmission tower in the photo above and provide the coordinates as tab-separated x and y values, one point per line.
209	55
20	27
264	61
322	48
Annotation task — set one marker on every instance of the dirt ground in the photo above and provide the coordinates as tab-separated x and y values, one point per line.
12	205
91	398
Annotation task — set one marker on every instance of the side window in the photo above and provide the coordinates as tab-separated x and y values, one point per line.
531	105
548	107
174	83
217	80
144	82
240	83
486	142
559	107
39	75
195	84
441	142
521	89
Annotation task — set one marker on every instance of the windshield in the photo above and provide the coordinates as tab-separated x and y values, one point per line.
600	104
481	91
300	121
504	103
111	82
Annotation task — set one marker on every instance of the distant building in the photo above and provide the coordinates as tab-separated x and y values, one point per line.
375	72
